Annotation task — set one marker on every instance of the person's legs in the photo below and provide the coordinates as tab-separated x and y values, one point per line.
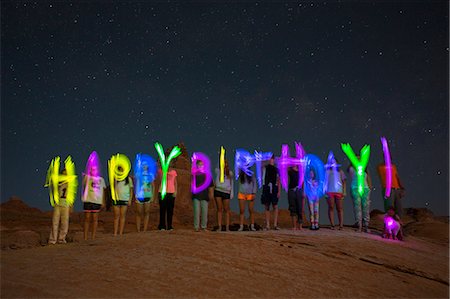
398	205
330	201
170	207
311	212
357	208
251	205
64	227
116	210
300	202
219	210
275	216
138	211
292	208
241	212
87	219
146	215
196	209
94	224
204	209
387	201
226	207
340	211
316	213
123	215
365	203
55	225
162	212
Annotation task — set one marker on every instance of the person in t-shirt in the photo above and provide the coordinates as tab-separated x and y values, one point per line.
247	191
167	204
144	197
61	213
397	189
223	193
93	198
124	191
271	192
201	199
336	190
295	198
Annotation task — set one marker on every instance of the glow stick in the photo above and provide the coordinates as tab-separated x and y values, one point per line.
116	162
359	165
313	163
54	179
195	170
332	165
222	164
176	151
285	161
144	174
388	166
93	162
243	161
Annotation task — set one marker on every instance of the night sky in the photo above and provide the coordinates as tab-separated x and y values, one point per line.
117	77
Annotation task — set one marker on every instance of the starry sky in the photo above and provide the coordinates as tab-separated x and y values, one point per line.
117	77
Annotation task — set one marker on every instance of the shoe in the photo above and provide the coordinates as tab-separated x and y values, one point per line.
252	228
366	230
62	241
196	230
205	230
241	228
267	228
317	227
276	228
332	227
161	229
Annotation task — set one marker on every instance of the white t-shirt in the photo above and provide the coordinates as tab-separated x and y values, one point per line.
62	191
123	191
95	187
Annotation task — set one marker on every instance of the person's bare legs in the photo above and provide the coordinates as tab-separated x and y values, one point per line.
294	222
94	224
226	207
116	219
267	212
146	215
251	205
138	211
123	214
219	208
340	211
87	219
241	211
330	201
275	215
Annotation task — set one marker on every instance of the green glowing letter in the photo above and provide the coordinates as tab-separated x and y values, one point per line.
176	151
359	164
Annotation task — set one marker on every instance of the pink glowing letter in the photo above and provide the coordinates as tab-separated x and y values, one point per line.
388	167
204	169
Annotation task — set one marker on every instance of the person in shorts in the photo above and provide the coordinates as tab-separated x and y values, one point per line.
271	193
246	194
93	198
144	198
124	191
223	193
336	190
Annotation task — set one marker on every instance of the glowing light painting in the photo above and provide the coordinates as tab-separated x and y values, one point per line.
204	169
144	174
222	164
314	190
259	157
388	167
359	164
243	160
285	161
333	166
175	152
119	167
92	169
54	179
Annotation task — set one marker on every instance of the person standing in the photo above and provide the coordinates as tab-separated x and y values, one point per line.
124	191
167	204
61	213
397	189
223	193
361	202
246	193
271	193
93	198
200	200
335	192
295	198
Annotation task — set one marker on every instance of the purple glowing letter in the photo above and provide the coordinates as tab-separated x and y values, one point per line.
205	169
388	167
285	161
243	161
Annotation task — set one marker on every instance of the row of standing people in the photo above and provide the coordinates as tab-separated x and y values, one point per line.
94	200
